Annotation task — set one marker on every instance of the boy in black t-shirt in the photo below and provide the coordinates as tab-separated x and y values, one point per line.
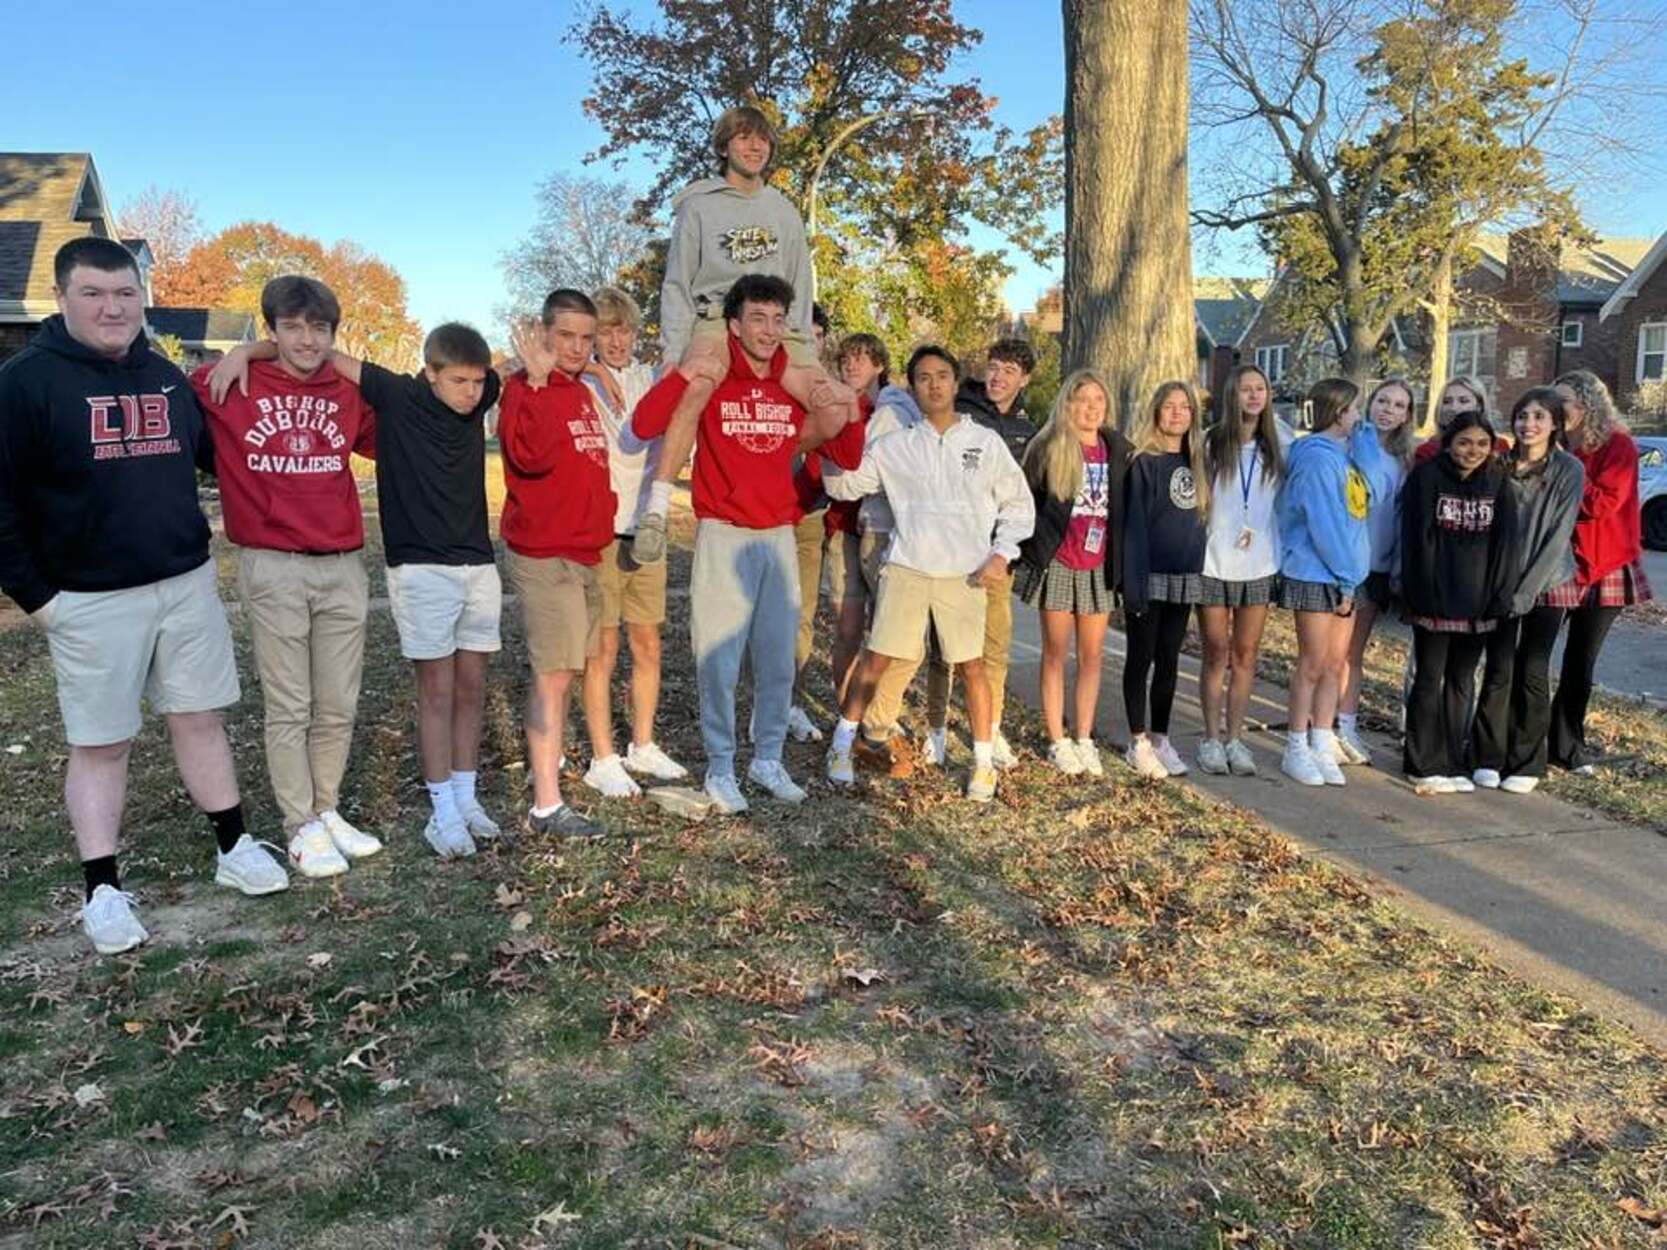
443	582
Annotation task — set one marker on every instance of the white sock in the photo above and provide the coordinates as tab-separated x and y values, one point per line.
659	498
1322	739
1085	742
542	812
1347	721
1297	738
983	753
440	793
463	786
936	736
845	733
602	761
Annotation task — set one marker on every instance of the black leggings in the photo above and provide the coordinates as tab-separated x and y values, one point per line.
1588	627
1155	638
1442	687
1513	713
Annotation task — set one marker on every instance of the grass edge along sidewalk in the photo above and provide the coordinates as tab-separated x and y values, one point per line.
1105	1015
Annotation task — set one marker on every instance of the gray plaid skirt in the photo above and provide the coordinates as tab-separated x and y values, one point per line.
1175	587
1296	596
1251	594
1056	588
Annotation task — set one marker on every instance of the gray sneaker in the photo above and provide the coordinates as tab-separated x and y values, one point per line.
1239	759
1212	757
566	823
249	869
109	920
448	841
649	544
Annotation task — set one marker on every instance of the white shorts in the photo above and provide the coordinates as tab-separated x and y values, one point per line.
166	642
440	609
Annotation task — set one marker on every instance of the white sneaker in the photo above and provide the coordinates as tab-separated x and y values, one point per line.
1324	754
1519	785
651	761
1002	754
1299	765
981	786
1583	770
1487	778
1062	754
1239	759
1212	757
773	777
1351	748
1143	759
1169	757
109	920
1430	785
313	852
449	841
936	750
799	727
841	771
609	778
351	842
1088	755
723	790
1461	785
248	868
477	823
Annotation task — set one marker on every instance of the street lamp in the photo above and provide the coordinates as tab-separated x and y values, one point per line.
860	124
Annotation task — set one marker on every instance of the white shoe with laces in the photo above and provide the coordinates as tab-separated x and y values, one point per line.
351	842
981	785
609	778
841	770
1299	765
1461	785
449	841
725	791
1143	759
1487	778
477	823
1519	785
1240	762
1169	757
1002	754
651	761
1324	751
248	868
1212	757
1062	754
1351	748
1088	755
799	727
773	777
314	853
936	750
109	921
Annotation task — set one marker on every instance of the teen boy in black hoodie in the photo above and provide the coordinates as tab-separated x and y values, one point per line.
103	544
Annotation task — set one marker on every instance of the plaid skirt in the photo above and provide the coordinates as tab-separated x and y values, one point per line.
1619	588
1376	590
1252	594
1452	625
1299	596
1081	592
1175	587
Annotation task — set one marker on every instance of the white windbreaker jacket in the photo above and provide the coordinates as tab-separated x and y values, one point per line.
956	497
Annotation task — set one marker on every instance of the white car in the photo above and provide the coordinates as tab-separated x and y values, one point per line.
1652	489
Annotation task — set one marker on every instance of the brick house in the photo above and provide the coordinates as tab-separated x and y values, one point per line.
1637	313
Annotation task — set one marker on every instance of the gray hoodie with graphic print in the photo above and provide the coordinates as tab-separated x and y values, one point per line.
719	233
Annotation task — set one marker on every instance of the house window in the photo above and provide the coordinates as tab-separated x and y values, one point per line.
1573	332
1272	360
1652	351
1470	353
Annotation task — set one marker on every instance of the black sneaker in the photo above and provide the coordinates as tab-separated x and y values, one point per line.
565	822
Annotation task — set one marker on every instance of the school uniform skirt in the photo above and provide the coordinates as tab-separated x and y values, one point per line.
1300	596
1255	593
1081	592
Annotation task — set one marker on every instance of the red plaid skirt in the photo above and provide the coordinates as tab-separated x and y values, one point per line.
1619	588
1449	625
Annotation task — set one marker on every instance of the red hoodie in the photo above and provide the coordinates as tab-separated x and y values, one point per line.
749	434
282	454
841	516
560	500
1608	533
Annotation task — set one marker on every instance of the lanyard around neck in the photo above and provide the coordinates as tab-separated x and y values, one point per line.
1247	477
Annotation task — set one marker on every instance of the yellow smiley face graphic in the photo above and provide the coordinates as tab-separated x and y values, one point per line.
1357	494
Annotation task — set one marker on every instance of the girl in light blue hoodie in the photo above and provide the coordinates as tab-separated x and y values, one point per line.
1324	556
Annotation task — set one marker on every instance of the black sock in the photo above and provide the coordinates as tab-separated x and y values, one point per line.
100	871
228	826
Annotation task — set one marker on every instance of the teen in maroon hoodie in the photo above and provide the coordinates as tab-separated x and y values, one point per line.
283	451
558	517
744	588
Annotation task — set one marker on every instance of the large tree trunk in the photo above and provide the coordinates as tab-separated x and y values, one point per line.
1440	308
1128	254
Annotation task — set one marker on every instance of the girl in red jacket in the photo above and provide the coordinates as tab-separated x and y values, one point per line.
1607	544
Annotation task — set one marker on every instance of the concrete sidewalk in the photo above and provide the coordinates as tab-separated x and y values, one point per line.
1566	898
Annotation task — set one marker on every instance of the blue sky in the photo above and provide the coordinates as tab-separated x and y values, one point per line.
419	130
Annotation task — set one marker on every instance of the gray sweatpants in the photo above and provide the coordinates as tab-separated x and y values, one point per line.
743	599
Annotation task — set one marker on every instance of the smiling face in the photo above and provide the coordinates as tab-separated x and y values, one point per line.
571	336
1175	414
1003	380
859	371
1456	397
103	309
615	343
748	154
304	344
761	328
1391	409
1470	449
1534	426
1087	411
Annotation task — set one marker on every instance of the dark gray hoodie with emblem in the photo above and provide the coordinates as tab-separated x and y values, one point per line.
719	233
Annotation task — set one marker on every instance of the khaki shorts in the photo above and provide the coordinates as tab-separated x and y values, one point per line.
632	593
440	609
711	327
561	611
908	602
166	642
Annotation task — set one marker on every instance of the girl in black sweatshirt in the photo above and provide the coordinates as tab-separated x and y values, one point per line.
1166	508
1459	566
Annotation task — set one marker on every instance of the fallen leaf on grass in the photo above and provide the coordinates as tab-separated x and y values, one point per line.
178	1043
319	959
863	976
442	1151
133	1027
488	1239
506	897
554	1218
89	1094
152	1132
234	1218
1643	1214
520	920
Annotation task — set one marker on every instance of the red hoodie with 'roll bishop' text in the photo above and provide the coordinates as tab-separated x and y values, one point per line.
560	498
